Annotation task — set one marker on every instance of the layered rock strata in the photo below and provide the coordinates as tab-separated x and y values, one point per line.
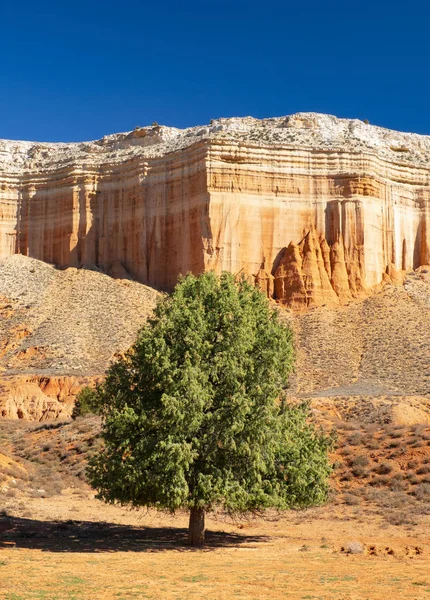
318	210
40	398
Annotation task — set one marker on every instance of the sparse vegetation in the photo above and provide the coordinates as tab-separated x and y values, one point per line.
376	511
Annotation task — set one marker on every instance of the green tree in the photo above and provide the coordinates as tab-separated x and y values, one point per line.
86	403
194	415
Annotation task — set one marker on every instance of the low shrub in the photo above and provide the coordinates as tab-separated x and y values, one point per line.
360	461
360	472
381	481
422	492
351	499
85	404
398	485
423	470
384	468
355	439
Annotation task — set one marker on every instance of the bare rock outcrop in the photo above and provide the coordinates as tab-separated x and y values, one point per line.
312	274
318	209
40	398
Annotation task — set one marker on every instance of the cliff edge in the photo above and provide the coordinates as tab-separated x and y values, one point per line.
318	210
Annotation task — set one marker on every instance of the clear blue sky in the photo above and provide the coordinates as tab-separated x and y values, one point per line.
78	70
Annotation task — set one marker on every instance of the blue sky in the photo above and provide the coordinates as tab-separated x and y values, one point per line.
78	70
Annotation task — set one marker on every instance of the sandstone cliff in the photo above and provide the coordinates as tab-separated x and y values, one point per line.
317	209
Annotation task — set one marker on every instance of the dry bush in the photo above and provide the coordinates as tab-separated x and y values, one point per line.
355	439
412	478
384	468
361	472
415	442
352	499
398	485
360	461
373	444
423	470
418	429
395	443
396	517
15	472
380	481
422	492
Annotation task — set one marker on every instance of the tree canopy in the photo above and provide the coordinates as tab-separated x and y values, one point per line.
194	415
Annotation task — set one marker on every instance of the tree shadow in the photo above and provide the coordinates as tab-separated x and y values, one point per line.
88	536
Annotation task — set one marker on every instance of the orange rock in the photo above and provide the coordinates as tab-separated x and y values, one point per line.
265	282
40	398
141	208
312	274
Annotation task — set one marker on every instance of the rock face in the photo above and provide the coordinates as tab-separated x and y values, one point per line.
39	398
318	210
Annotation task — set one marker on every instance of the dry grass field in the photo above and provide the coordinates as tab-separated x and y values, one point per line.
59	542
73	548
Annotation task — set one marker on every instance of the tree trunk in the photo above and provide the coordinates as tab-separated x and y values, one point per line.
196	529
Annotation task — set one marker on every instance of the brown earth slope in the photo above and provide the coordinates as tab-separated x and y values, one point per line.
380	343
59	329
369	358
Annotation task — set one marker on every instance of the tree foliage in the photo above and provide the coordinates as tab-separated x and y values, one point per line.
86	403
194	415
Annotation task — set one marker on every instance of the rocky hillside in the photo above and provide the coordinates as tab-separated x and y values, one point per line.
368	360
379	345
319	210
59	329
